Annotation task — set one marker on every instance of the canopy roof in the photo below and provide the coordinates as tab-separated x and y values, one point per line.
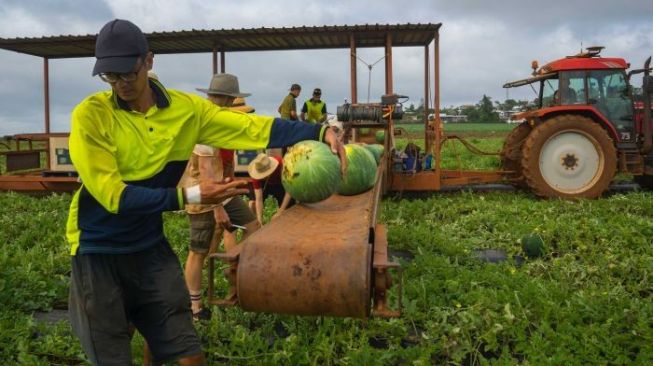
244	39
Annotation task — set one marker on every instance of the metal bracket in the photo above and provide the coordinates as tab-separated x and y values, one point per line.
231	258
381	276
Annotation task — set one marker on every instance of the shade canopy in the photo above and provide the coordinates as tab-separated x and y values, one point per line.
245	39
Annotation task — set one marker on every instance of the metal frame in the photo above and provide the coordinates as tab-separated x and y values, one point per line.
222	41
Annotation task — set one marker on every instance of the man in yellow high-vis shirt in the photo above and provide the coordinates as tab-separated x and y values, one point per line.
130	145
314	109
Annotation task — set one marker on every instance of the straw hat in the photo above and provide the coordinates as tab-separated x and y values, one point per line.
239	105
262	166
224	84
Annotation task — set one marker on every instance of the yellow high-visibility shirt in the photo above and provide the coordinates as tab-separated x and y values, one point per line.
130	162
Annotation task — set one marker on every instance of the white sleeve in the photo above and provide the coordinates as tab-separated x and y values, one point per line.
203	150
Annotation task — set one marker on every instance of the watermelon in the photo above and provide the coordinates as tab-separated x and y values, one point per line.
311	172
533	245
380	136
376	150
361	171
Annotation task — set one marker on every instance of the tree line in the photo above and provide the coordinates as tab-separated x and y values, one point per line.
483	111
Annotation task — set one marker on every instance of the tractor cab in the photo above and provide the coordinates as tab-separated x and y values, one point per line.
587	84
586	128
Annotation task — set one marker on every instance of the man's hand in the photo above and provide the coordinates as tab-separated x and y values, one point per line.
216	192
221	217
337	147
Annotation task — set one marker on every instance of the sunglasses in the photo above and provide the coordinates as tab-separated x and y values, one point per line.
113	77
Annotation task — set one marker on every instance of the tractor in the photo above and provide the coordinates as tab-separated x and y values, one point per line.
590	123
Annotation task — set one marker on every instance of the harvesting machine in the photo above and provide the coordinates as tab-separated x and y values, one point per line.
589	124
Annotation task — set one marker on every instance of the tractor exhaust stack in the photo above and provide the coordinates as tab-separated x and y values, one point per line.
647	88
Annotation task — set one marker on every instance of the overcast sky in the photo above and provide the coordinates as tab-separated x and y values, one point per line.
483	44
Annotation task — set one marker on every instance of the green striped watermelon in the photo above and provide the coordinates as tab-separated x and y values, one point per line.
380	136
376	150
311	172
533	245
361	171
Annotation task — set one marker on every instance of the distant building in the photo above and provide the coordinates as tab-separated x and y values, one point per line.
507	116
446	118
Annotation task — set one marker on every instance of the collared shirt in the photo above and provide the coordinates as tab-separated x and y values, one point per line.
130	162
289	104
315	109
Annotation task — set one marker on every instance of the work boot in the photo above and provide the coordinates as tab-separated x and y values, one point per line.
204	315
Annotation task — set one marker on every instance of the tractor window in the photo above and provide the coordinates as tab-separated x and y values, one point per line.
572	87
609	94
549	88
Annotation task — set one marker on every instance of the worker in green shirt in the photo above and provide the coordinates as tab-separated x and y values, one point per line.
130	145
314	109
288	107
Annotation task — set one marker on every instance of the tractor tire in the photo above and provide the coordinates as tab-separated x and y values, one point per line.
511	155
569	156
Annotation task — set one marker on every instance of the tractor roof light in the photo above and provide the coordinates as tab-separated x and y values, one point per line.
534	66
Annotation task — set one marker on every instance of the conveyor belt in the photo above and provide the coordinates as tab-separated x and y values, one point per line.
314	259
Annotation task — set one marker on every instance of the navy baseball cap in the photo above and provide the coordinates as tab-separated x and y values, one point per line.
117	47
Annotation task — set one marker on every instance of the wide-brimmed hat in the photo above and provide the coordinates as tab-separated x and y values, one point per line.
224	84
118	46
262	166
239	105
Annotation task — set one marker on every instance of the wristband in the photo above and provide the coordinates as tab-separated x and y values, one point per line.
193	195
323	131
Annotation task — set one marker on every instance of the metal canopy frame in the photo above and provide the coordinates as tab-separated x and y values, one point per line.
257	39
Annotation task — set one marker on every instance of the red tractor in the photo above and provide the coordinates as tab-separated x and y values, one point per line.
588	125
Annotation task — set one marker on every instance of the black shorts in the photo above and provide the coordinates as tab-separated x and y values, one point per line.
147	289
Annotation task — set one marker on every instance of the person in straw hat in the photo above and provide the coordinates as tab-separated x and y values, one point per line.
239	105
265	172
209	222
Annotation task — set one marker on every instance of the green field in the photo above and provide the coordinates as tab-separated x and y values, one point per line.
465	128
588	301
455	156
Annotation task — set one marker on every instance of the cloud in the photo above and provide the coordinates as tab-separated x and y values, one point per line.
33	18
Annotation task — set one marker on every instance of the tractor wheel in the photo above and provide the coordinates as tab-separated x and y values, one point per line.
511	153
569	156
